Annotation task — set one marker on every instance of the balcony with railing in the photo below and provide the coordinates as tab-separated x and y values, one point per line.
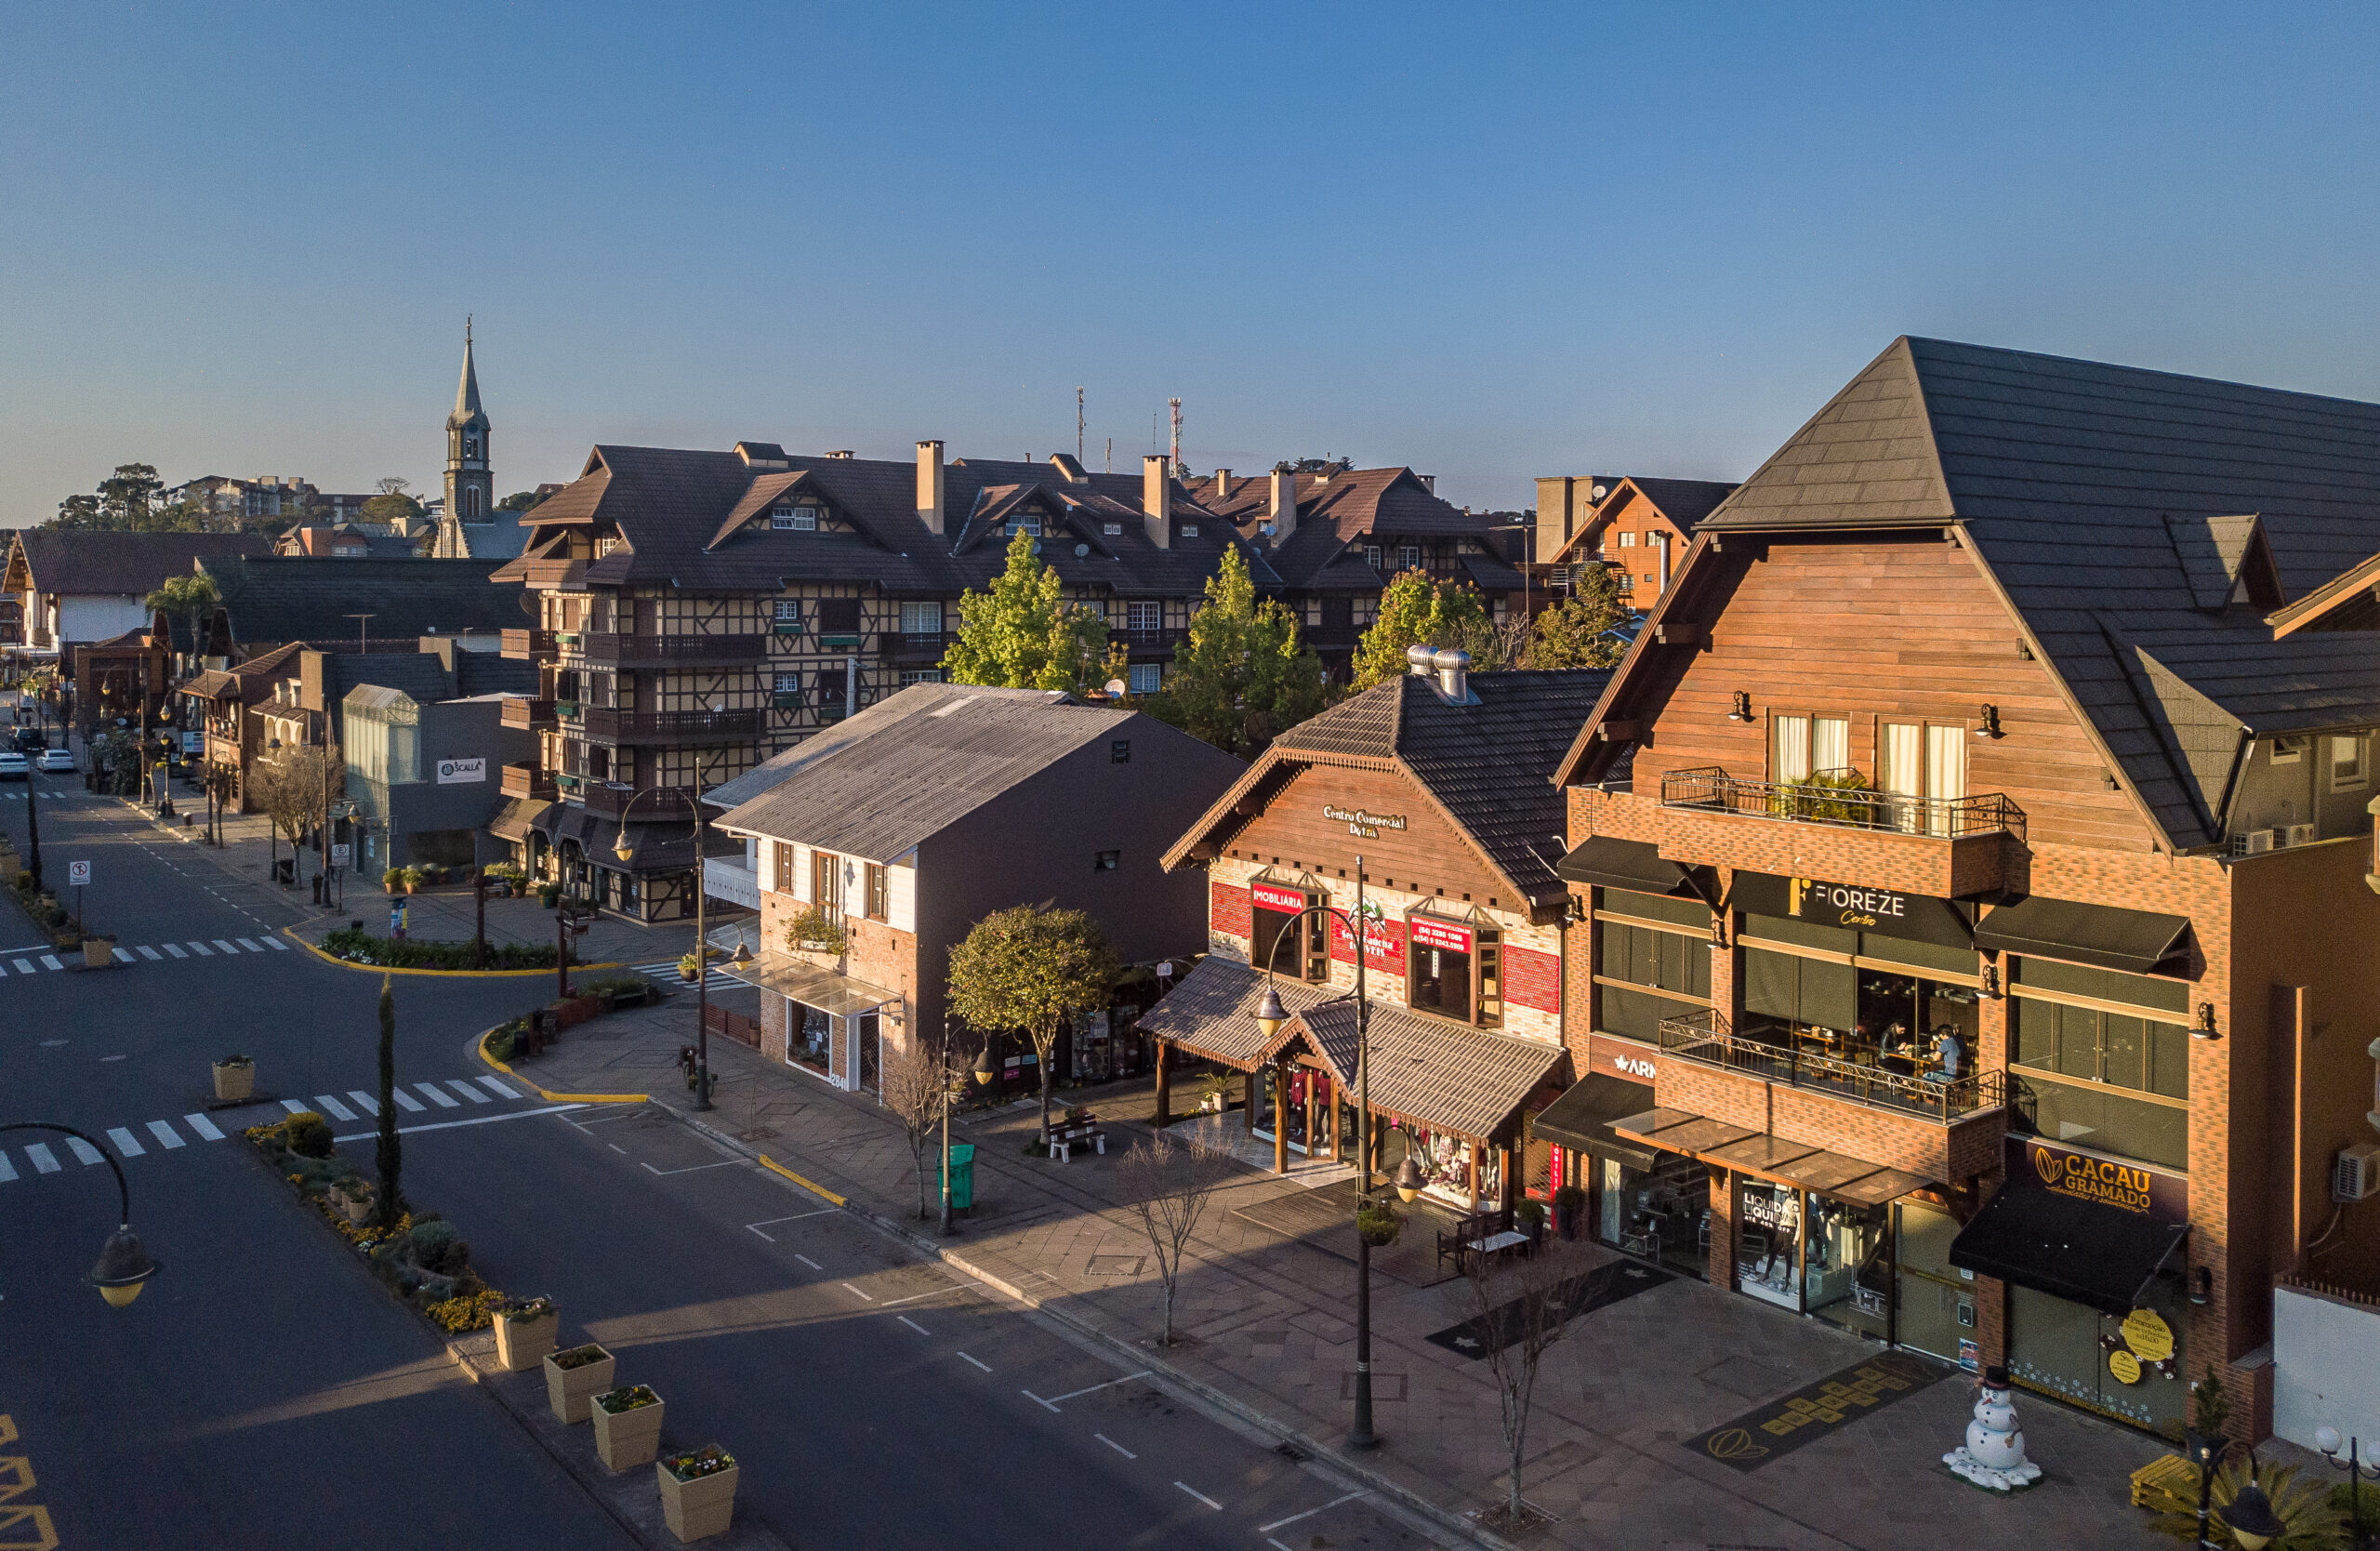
621	649
611	799
1951	847
529	645
1702	1036
1140	640
527	714
528	781
609	725
915	645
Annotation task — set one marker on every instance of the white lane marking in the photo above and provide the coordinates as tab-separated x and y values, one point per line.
172	949
104	1059
807	1261
935	1294
365	1101
25	966
45	1160
167	1136
202	951
694	1169
34	948
467	1091
429	1092
85	1151
765	1222
405	1101
204	1126
324	1104
247	944
148	953
3	974
1278	1544
1035	1398
49	961
292	1105
275	942
1267	1529
984	1366
1201	1496
124	955
476	1120
1111	1384
1117	1447
624	1152
849	1288
125	1142
7	1170
229	951
498	1089
913	1324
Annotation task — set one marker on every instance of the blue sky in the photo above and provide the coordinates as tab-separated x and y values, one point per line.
1491	243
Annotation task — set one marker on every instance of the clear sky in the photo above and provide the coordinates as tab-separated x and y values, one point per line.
1490	242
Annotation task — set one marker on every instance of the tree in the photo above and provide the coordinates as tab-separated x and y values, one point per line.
1033	969
392	485
391	508
391	1153
1519	1309
293	789
190	598
79	513
914	1085
1021	633
1314	466
1571	634
1171	1182
1416	611
1241	677
520	500
128	496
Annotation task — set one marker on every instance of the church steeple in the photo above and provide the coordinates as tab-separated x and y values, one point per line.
470	485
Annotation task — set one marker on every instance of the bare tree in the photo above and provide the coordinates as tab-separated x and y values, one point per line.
913	1085
1519	1309
1170	1181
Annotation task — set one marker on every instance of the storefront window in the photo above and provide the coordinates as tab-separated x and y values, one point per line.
1769	1242
1310	1108
1445	1161
1455	969
2066	1348
1277	910
1662	1214
812	1030
2097	1077
1847	1277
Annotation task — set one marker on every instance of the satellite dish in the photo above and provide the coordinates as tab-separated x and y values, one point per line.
1599	492
1114	686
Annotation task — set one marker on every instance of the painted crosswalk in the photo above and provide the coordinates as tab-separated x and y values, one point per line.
666	971
356	1106
138	955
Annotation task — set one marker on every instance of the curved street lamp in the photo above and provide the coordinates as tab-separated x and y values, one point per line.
627	852
123	1266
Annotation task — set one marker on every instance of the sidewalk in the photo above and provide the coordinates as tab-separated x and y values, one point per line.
1267	1320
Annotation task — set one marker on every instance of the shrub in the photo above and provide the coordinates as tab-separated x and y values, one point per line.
626	1398
1528	1214
815	930
579	1357
308	1134
617	984
499	1043
1379	1225
550	895
359	946
467	1311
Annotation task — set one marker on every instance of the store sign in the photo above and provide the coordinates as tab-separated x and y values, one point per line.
1634	1065
1845	904
1627	1057
1272	897
1430	933
456	771
2036	1164
1854	908
1361	822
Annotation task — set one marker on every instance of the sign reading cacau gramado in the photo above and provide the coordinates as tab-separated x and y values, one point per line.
1363	823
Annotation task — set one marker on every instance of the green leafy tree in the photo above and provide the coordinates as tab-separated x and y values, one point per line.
520	500
1241	677
392	508
391	1153
1021	633
78	513
1416	611
191	599
1032	969
1571	634
128	496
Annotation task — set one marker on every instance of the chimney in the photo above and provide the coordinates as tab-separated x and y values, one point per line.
929	485
1422	660
1285	506
1222	483
843	453
1157	497
1454	674
1429	483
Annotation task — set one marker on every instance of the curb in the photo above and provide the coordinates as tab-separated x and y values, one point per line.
480	1045
291	932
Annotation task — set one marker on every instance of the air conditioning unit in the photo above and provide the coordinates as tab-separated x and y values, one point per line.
2252	843
2354	1172
2297	834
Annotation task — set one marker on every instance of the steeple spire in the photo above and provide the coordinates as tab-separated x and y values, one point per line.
470	486
467	394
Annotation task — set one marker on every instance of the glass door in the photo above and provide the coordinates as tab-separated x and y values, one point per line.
1935	1301
1900	772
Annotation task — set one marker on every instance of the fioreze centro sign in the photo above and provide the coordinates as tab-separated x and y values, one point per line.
1845	904
1361	822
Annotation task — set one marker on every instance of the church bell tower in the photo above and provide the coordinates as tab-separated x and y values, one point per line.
470	483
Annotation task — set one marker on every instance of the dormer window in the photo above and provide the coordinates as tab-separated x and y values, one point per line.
1029	526
1113	530
1372	556
1189	530
790	518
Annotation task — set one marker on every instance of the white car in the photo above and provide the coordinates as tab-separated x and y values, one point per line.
57	760
13	767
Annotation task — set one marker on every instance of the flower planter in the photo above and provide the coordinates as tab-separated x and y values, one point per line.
626	1439
701	1508
98	953
354	1199
521	1344
235	1079
568	1390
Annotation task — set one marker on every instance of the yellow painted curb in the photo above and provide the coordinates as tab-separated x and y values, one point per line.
557	1098
291	932
815	1190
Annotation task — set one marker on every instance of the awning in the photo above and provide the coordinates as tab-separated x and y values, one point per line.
1213	1013
1581	1118
1770	1156
838	995
1609	862
1442	1076
517	817
2067	1247
2134	941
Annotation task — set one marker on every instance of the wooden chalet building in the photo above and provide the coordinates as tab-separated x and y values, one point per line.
1976	884
1636	525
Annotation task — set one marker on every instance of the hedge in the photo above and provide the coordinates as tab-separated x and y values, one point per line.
358	946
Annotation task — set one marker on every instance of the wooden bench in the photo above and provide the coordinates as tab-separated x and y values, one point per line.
1068	1134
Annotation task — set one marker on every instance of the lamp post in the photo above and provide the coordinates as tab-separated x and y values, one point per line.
123	1266
2327	1441
1270	1017
625	852
2204	1449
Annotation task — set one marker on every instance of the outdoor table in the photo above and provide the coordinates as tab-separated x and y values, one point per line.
1497	1243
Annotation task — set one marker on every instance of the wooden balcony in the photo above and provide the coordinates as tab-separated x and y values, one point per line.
607	724
527	714
612	800
924	646
527	780
613	648
529	645
1952	848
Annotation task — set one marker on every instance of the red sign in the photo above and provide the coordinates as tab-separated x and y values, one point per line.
1272	897
1441	934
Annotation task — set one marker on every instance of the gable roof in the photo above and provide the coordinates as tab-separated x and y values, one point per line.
1682	502
1340	510
89	563
311	598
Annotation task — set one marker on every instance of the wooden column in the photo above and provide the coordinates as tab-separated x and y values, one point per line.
1164	1089
1474	1186
1248	1102
1280	1118
1338	1125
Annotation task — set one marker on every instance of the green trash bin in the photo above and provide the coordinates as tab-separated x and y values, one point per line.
962	1177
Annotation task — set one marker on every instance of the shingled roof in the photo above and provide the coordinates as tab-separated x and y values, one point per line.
76	563
1343	509
273	600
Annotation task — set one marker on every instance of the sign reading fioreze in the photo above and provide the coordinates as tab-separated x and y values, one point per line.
1846	903
1362	822
454	772
2036	1164
1273	897
1444	934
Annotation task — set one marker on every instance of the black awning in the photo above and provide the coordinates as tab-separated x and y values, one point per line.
2133	941
1609	862
1581	1118
2069	1248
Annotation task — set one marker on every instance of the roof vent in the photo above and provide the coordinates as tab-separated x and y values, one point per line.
1422	659
1454	674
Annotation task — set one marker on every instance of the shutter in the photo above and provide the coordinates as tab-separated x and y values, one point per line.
1771	984
801	873
1830	994
901	898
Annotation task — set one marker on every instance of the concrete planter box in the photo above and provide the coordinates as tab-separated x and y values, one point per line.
521	1344
353	1201
626	1439
98	953
701	1508
234	1081
568	1390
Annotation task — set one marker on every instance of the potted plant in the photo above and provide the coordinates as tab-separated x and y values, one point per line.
235	1077
1212	1089
814	931
1379	1225
352	1196
1570	1211
697	1492
628	1427
98	953
550	895
524	1333
688	968
1528	1216
574	1377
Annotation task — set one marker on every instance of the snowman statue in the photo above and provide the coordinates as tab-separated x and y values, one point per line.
1993	1454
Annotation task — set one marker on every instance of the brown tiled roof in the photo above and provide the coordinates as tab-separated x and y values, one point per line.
1442	1074
1340	510
249	680
1212	1013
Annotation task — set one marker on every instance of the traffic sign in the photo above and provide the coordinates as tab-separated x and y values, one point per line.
340	854
78	873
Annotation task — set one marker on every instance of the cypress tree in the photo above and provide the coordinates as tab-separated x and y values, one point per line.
391	1203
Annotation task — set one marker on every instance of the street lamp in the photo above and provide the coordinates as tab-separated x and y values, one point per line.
124	1268
1409	1178
1270	1017
627	852
2254	1523
2327	1441
983	1072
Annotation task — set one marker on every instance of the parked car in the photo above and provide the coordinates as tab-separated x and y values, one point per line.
13	767
31	740
58	758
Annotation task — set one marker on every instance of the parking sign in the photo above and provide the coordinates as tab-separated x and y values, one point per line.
78	873
340	854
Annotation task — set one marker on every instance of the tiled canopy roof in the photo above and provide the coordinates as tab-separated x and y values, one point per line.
1442	1074
1212	1013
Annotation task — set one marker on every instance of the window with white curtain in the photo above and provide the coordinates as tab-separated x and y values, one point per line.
1802	746
1916	760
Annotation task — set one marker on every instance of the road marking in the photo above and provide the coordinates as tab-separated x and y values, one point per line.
429	1092
807	1261
247	944
125	1142
229	951
1273	1541
49	961
624	1152
405	1101
935	1294
1267	1529
1201	1496
7	1170
1117	1447
365	1101
277	944
324	1104
172	949
765	1222
476	1120
45	1160
498	1089
204	1126
984	1366
104	1059
294	1105
49	1044
124	955
148	953
167	1136
24	966
85	1151
34	948
693	1169
1053	1401
913	1324
1035	1398
849	1288
202	951
467	1091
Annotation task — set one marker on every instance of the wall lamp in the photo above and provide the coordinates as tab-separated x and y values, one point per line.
1743	707
2204	1027
1991	727
1992	979
2202	1286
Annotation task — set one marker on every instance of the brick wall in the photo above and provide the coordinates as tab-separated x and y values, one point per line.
1912	864
1723	1229
1229	912
1956	1153
1991	1319
1533	979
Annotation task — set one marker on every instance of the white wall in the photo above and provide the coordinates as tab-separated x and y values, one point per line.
94	619
900	894
2326	1362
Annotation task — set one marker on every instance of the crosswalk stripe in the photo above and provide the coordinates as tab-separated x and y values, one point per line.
229	951
49	961
497	1088
405	1101
327	1104
204	1126
3	974
467	1091
45	1160
365	1101
125	954
168	1137
176	952
125	1142
431	1093
247	944
295	1107
276	945
7	1170
202	951
25	966
83	1150
148	953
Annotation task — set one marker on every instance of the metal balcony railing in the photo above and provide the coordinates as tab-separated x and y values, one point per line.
616	647
1702	1036
612	800
1823	799
603	721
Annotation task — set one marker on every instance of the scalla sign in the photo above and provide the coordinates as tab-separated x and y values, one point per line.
1845	904
1361	822
453	771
